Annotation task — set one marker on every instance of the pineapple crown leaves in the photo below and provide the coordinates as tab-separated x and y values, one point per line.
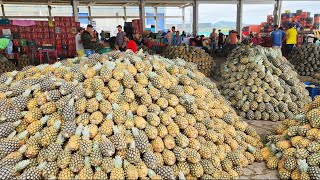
152	75
21	165
57	125
87	161
135	132
23	134
44	119
42	165
117	162
8	93
116	130
130	115
278	155
110	116
97	67
121	89
85	132
151	173
26	93
133	144
71	102
22	149
303	165
60	138
95	145
181	176
8	81
17	123
57	65
111	65
14	73
299	117
251	149
99	96
115	106
75	82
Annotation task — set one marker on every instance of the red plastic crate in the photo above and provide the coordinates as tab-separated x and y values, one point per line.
57	18
69	36
73	24
51	30
38	42
64	36
63	30
46	35
57	23
57	36
78	24
64	41
45	41
25	49
16	42
58	42
22	35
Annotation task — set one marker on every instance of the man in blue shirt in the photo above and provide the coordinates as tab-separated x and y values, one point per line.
277	36
177	39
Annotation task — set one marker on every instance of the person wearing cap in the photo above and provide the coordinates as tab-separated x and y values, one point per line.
4	42
79	45
120	44
87	39
291	40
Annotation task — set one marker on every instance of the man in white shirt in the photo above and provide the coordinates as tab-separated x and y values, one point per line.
310	38
79	45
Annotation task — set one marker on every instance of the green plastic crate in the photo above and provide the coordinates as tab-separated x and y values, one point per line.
23	42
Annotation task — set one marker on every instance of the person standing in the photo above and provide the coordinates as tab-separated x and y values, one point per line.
291	38
87	39
79	45
168	37
177	39
131	44
120	44
277	36
233	39
220	39
213	37
257	40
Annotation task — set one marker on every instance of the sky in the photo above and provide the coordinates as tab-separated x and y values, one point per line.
252	13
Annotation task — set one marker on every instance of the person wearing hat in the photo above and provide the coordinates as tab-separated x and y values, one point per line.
120	43
79	45
291	40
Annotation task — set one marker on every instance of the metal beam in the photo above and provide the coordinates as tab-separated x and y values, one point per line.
75	5
183	19
49	11
156	18
90	17
91	3
277	12
239	16
195	15
2	9
125	13
142	13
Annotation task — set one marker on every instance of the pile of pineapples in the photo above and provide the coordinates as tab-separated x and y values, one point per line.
261	84
120	115
146	50
193	54
295	149
306	59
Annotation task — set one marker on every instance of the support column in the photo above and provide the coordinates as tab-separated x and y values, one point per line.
90	17
195	15
239	17
183	19
125	13
142	13
3	13
49	11
75	4
156	18
277	12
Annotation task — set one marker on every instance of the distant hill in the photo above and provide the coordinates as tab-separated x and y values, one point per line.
225	24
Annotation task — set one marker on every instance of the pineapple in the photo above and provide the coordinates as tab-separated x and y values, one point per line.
130	170
86	172
117	172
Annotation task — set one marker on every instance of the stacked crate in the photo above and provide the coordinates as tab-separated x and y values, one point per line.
137	26
316	24
26	40
303	17
65	29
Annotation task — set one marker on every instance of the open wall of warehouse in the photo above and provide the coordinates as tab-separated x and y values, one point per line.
219	16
